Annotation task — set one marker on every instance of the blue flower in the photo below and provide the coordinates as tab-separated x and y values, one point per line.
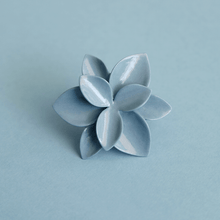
113	106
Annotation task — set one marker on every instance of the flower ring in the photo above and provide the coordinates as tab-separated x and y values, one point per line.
113	106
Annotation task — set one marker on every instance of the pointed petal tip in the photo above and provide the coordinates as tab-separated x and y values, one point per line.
89	144
134	69
85	157
82	156
169	109
94	66
155	108
87	55
54	106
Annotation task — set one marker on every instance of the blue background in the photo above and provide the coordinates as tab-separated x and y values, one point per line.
42	44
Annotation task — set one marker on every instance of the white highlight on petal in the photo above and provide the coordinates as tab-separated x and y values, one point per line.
135	137
109	128
134	69
88	66
105	128
130	66
86	82
127	145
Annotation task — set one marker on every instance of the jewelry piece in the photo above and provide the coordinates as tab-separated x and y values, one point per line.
113	106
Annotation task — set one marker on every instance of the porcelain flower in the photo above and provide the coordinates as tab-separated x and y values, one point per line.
114	107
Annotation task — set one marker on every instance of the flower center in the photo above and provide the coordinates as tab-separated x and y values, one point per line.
113	106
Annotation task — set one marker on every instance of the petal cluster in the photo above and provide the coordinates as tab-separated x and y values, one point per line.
114	106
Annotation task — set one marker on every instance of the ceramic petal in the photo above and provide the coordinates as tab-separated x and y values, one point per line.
131	97
75	109
96	90
135	137
154	108
109	128
95	67
89	143
134	69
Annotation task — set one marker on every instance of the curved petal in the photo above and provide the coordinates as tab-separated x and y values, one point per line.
154	108
134	69
135	138
94	67
96	90
109	128
132	97
74	108
89	143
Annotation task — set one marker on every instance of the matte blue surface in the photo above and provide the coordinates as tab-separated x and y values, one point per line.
42	45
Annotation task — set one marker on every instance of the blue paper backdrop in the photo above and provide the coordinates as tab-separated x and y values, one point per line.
42	44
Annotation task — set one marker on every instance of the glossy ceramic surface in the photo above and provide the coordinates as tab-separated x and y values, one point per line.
109	128
135	138
119	121
89	143
132	97
75	109
134	69
94	67
96	90
155	108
